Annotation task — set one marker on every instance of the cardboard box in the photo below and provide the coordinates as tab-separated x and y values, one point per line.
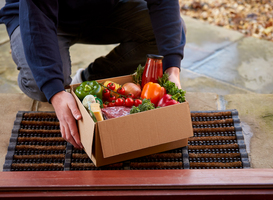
135	135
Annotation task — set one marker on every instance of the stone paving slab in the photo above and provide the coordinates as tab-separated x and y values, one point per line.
43	106
2	3
3	35
195	82
247	64
199	101
204	40
8	68
8	87
256	114
8	71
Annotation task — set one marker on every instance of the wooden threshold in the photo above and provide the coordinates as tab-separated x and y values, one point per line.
145	184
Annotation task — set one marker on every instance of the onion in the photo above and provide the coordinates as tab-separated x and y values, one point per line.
131	88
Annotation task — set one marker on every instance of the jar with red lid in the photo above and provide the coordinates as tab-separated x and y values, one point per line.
153	69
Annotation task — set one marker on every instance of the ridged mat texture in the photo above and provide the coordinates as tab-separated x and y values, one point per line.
36	145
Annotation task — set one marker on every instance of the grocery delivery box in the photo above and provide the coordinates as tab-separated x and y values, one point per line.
135	135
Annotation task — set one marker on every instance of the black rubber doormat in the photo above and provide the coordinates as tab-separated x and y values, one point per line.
36	145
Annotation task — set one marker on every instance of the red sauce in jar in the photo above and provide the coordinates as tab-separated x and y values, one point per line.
152	70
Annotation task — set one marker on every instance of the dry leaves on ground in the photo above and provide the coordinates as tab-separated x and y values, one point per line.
250	17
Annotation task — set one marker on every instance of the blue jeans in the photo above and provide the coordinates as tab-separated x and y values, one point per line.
128	25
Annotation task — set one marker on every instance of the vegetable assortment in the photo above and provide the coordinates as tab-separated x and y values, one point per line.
159	93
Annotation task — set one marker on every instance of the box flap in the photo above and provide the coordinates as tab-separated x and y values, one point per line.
122	135
85	126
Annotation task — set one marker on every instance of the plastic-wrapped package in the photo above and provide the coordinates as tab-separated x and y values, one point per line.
115	111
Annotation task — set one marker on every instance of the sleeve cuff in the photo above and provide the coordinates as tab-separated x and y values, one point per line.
52	87
171	61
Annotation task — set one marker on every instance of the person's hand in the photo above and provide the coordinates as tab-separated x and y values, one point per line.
174	75
67	111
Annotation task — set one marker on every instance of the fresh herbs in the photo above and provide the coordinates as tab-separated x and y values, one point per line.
146	105
137	76
163	79
171	88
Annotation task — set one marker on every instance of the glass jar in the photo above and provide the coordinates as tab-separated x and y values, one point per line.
153	69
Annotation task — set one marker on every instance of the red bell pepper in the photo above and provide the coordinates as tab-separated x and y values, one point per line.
166	100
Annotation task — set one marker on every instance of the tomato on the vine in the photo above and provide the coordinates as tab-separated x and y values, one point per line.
137	102
111	104
112	98
119	102
106	93
121	90
129	102
111	86
131	95
123	100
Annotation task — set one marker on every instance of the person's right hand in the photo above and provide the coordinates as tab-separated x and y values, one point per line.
67	111
174	75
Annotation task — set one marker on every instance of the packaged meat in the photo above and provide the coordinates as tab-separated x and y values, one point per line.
115	111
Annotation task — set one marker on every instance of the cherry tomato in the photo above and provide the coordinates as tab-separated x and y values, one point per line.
123	100
112	97
137	102
131	95
111	104
111	86
106	93
129	102
119	102
121	91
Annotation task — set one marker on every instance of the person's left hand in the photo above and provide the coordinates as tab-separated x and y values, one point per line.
174	75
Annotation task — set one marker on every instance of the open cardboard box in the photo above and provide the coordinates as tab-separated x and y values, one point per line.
135	135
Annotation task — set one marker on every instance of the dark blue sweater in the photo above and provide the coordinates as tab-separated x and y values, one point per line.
39	21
